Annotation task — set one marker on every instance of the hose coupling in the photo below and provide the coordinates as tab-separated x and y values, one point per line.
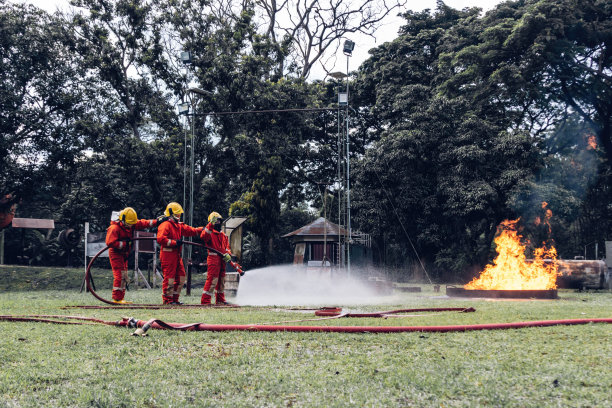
142	331
132	322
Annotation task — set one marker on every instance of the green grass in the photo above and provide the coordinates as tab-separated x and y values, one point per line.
81	366
26	278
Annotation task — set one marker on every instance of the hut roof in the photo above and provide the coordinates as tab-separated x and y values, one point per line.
318	228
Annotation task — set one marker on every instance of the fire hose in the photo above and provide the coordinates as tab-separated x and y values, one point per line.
143	326
336	311
88	278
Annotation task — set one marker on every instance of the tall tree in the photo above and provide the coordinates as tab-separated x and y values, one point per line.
443	172
243	119
119	42
544	59
42	103
506	81
548	63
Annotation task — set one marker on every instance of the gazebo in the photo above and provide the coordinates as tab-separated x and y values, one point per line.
322	240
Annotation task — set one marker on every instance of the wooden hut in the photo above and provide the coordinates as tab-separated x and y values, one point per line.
322	243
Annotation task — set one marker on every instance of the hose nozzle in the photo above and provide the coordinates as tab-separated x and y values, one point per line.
142	331
237	267
139	332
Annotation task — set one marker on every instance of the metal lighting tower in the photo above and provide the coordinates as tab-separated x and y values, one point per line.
349	46
342	101
200	92
183	109
185	57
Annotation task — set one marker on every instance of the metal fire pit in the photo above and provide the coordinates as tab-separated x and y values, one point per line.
501	294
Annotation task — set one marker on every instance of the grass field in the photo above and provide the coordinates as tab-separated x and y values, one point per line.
103	366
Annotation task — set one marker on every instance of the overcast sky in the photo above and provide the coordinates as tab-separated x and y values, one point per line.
362	43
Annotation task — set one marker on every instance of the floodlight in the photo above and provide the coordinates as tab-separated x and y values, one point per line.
186	57
183	108
349	46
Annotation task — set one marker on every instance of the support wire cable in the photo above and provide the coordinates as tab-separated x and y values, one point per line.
402	224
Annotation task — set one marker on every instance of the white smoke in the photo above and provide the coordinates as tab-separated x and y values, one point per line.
287	285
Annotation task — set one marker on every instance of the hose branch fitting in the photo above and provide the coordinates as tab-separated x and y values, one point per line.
142	331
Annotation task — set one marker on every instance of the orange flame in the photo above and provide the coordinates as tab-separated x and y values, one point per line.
592	142
511	271
547	217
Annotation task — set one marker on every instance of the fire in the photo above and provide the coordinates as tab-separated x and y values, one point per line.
592	142
510	270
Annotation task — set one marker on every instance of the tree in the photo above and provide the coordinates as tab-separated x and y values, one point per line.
445	167
41	103
567	52
548	63
261	203
507	82
117	39
544	60
442	179
240	126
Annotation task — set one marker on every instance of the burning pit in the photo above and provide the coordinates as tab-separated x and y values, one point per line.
511	274
501	294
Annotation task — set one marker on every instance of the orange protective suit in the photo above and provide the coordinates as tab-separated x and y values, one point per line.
215	279
168	232
116	238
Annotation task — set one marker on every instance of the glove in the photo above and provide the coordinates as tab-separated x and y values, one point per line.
161	219
227	257
179	242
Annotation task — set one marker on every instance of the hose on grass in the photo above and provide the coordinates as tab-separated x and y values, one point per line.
143	326
159	324
336	311
57	319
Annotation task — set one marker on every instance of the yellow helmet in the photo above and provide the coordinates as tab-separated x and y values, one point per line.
214	214
173	209
128	216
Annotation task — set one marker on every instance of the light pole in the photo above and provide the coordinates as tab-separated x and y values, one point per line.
349	46
185	57
200	92
342	101
183	109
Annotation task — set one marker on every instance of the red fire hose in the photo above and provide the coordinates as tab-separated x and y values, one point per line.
336	311
88	278
143	326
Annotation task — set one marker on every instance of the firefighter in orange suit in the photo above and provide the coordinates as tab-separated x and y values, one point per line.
169	234
118	237
215	280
